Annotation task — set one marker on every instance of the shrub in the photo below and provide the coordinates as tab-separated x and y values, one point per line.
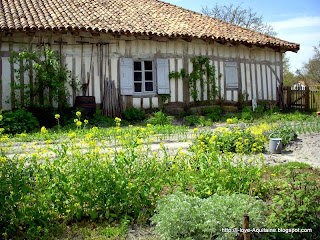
44	115
179	216
198	120
215	109
102	121
133	115
287	134
214	113
231	140
192	120
231	115
160	118
296	205
18	121
247	114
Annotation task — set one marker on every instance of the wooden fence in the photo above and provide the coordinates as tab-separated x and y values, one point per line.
301	99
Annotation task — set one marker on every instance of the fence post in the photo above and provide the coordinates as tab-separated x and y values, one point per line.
307	99
288	97
245	225
280	96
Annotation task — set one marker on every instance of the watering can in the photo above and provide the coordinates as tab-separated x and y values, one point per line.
275	144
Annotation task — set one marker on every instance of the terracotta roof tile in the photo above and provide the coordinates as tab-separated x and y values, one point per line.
149	17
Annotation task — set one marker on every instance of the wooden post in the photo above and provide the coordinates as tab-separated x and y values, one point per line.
245	225
307	99
289	97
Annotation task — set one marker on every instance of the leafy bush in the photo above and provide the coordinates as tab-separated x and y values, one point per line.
160	118
179	216
259	111
198	120
133	115
214	109
44	115
102	121
287	134
214	113
296	205
231	115
231	140
51	78
192	120
18	121
247	114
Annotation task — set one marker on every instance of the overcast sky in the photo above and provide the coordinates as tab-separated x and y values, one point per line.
295	21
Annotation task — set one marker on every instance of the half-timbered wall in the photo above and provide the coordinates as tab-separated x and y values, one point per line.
98	58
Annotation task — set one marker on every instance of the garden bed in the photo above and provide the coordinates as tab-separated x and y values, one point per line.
52	181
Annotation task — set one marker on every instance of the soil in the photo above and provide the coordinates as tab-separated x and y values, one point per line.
305	149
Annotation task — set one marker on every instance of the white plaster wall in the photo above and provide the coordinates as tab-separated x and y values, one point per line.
141	48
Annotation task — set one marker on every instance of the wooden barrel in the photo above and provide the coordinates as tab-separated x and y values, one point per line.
87	104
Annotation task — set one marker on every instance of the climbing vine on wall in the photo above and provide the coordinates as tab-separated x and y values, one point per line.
49	76
204	72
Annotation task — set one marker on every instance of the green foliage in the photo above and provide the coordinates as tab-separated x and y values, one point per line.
296	205
179	216
198	121
286	133
44	115
215	109
232	116
247	114
192	120
133	115
296	116
243	100
164	97
116	232
160	118
213	113
297	165
18	121
202	69
310	71
288	77
234	140
50	79
101	121
114	175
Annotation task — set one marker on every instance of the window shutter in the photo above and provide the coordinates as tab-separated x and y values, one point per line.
126	76
163	76
231	75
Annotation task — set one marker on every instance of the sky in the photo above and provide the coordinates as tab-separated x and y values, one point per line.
295	21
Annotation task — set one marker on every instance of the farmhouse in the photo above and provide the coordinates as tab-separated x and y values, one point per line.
127	49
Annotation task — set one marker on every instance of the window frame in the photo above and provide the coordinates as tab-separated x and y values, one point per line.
143	80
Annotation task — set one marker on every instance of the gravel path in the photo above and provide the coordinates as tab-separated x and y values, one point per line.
305	149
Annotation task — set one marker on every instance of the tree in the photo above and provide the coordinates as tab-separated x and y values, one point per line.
288	77
311	70
239	16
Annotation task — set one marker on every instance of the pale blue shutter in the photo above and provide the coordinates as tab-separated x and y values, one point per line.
126	76
231	75
162	66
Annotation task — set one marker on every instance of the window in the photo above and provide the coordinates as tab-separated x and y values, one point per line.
143	76
139	77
